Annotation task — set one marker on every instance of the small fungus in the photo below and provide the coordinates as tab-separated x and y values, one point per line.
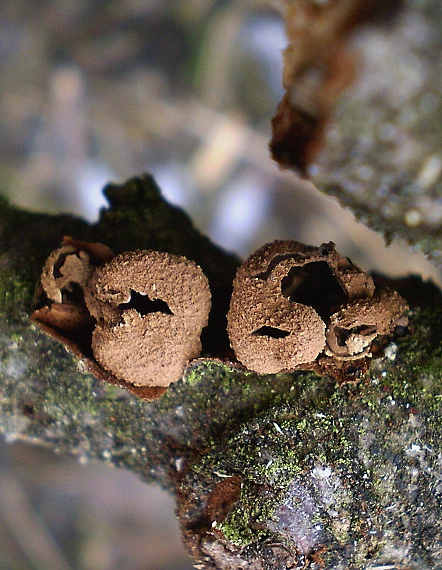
60	307
136	319
66	270
291	302
150	309
353	327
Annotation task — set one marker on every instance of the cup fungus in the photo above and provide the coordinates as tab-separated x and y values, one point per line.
150	309
292	301
353	327
135	319
60	307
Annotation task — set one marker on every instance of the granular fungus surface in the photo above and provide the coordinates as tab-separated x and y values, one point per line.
137	317
292	301
150	308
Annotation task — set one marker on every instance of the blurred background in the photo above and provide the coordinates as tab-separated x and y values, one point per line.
102	90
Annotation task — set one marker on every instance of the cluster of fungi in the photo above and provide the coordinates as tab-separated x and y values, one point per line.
136	318
292	302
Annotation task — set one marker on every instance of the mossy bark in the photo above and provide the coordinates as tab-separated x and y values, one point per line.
269	471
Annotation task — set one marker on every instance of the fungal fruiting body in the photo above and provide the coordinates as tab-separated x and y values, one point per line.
136	318
65	270
353	328
292	301
150	309
63	281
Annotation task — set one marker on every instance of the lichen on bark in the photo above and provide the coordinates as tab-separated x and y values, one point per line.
269	471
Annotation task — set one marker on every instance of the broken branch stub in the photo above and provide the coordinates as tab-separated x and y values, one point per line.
150	308
291	302
361	115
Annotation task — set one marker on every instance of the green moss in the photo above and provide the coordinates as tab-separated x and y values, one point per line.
272	430
26	240
413	377
363	432
245	524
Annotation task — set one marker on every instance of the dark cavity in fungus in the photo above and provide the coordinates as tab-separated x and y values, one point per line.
272	332
72	293
143	305
314	284
58	264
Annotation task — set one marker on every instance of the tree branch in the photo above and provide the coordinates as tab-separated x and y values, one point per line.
269	471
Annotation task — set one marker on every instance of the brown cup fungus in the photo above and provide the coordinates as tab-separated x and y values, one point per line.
60	296
292	301
353	328
150	309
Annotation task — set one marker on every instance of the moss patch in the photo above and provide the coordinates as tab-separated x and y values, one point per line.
356	464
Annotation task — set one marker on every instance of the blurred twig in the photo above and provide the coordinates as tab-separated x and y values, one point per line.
27	527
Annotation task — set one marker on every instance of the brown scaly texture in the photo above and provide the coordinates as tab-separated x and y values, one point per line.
150	308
